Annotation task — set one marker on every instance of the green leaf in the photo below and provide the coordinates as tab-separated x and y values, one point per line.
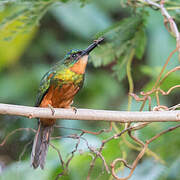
19	18
12	49
103	55
141	41
120	67
120	39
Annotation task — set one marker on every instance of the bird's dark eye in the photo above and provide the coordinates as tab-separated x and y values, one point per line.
74	55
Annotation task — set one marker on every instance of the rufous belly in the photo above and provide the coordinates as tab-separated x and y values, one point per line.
58	97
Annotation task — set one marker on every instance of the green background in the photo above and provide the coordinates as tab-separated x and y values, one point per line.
36	34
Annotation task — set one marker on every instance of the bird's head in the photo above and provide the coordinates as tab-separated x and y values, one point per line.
76	60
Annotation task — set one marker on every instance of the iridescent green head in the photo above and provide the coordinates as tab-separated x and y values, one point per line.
75	55
72	57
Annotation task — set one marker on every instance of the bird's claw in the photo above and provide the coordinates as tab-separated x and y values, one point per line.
74	109
52	109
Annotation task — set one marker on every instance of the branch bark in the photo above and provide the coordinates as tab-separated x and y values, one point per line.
90	114
173	26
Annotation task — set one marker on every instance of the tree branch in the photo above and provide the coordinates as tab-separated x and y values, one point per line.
90	114
173	26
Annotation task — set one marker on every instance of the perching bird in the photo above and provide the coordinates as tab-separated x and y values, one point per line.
57	89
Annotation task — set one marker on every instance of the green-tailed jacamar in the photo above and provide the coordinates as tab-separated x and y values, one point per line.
57	89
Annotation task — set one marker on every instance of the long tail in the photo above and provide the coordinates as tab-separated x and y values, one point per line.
40	146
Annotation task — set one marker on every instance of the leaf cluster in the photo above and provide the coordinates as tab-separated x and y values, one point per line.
122	39
17	18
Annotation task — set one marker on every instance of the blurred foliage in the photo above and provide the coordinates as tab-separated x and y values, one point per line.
12	50
36	33
123	37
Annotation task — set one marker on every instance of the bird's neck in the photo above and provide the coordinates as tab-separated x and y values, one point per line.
80	66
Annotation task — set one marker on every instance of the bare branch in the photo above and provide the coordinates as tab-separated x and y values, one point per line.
140	155
90	114
59	154
168	18
24	150
13	132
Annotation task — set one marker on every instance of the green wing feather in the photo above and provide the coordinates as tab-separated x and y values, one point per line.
48	78
46	81
44	86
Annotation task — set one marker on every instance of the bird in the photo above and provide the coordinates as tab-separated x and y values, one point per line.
57	89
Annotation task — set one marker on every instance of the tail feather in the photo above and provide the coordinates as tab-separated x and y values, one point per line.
40	146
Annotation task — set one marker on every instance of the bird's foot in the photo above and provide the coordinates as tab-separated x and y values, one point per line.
73	108
52	109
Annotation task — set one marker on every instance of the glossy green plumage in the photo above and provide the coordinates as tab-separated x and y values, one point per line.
60	74
58	88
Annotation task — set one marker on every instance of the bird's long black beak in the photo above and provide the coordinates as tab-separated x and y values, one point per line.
92	46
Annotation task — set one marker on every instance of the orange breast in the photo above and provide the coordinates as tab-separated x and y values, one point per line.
58	97
80	66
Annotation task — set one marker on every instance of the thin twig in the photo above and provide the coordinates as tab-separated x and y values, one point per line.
163	132
102	146
98	153
168	73
162	70
24	150
72	155
94	160
173	26
174	107
86	131
13	132
169	91
140	155
59	154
